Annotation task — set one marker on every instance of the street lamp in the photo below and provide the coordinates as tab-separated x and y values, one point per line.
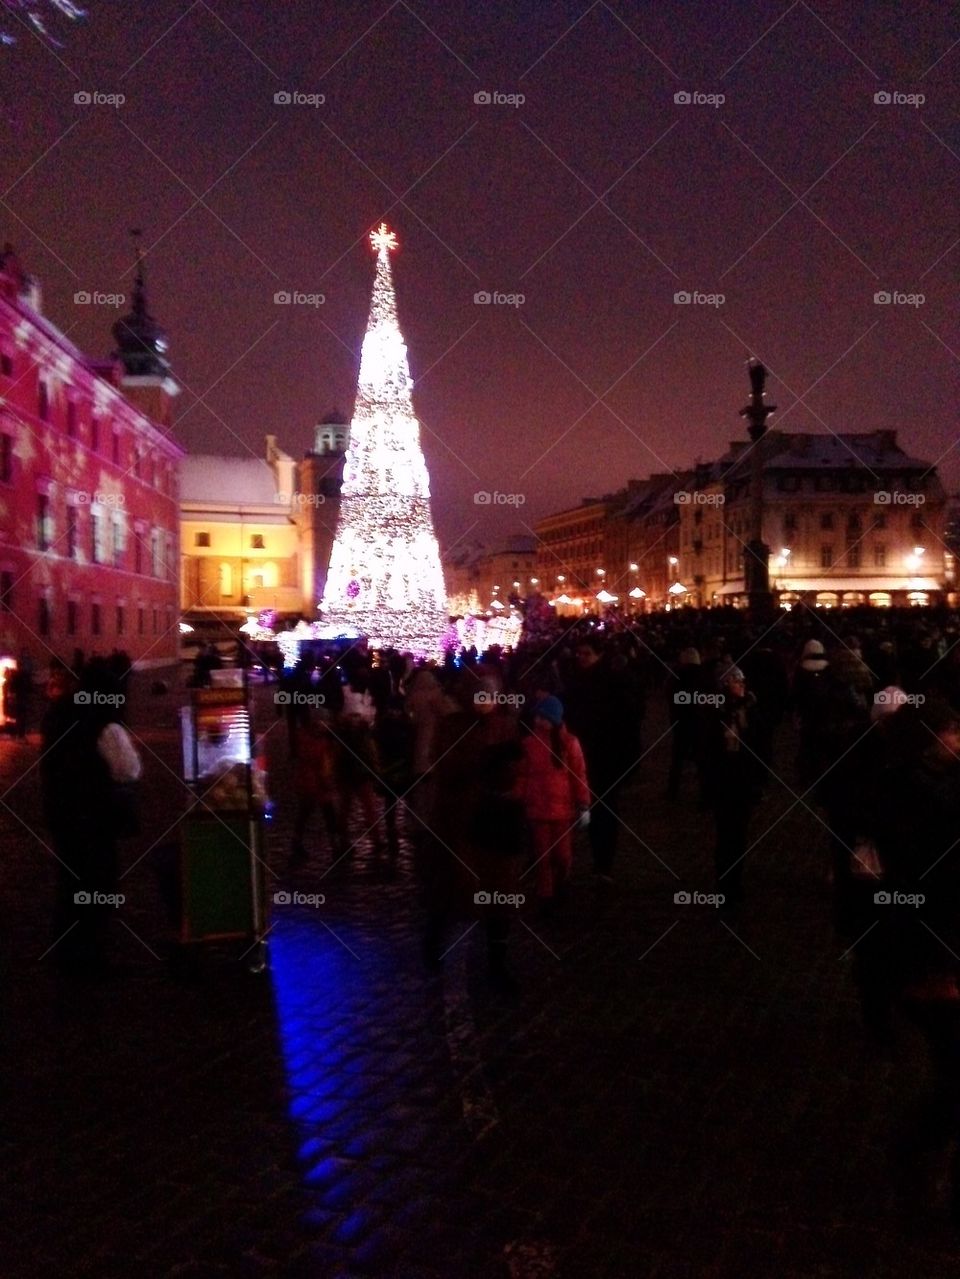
783	563
756	560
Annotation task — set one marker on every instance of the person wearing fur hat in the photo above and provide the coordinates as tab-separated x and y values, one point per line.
732	776
556	798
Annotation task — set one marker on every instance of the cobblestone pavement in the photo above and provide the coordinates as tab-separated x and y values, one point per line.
672	1093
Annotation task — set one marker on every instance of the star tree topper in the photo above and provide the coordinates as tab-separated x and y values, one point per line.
383	239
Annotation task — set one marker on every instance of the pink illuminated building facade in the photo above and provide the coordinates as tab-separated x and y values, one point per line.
89	502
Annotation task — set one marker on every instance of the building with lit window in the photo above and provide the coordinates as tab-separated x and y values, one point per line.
849	519
256	533
570	548
89	530
480	579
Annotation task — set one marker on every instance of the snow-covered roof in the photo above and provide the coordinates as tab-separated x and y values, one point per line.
846	450
237	481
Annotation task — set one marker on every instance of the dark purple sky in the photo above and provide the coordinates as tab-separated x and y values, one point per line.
598	198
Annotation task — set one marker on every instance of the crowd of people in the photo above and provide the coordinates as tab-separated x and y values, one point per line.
500	760
490	765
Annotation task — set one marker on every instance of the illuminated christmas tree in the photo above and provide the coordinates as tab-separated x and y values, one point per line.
35	13
385	579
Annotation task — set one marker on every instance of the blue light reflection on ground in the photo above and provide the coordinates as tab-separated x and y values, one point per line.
318	987
315	979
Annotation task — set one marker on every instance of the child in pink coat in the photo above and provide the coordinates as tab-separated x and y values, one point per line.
553	786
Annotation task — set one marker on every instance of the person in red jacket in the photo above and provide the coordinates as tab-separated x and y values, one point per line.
556	797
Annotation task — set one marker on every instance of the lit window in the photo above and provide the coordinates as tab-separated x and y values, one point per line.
73	532
43	522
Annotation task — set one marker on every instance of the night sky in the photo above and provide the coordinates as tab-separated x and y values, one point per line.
598	198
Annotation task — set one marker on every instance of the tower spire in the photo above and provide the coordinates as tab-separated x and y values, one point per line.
141	342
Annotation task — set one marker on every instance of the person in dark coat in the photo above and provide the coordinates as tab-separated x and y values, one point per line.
732	776
920	848
842	721
86	756
807	698
393	733
603	712
685	688
766	677
470	864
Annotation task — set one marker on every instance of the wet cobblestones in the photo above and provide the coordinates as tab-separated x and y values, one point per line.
672	1093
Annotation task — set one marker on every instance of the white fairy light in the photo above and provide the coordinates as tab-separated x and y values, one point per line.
385	578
